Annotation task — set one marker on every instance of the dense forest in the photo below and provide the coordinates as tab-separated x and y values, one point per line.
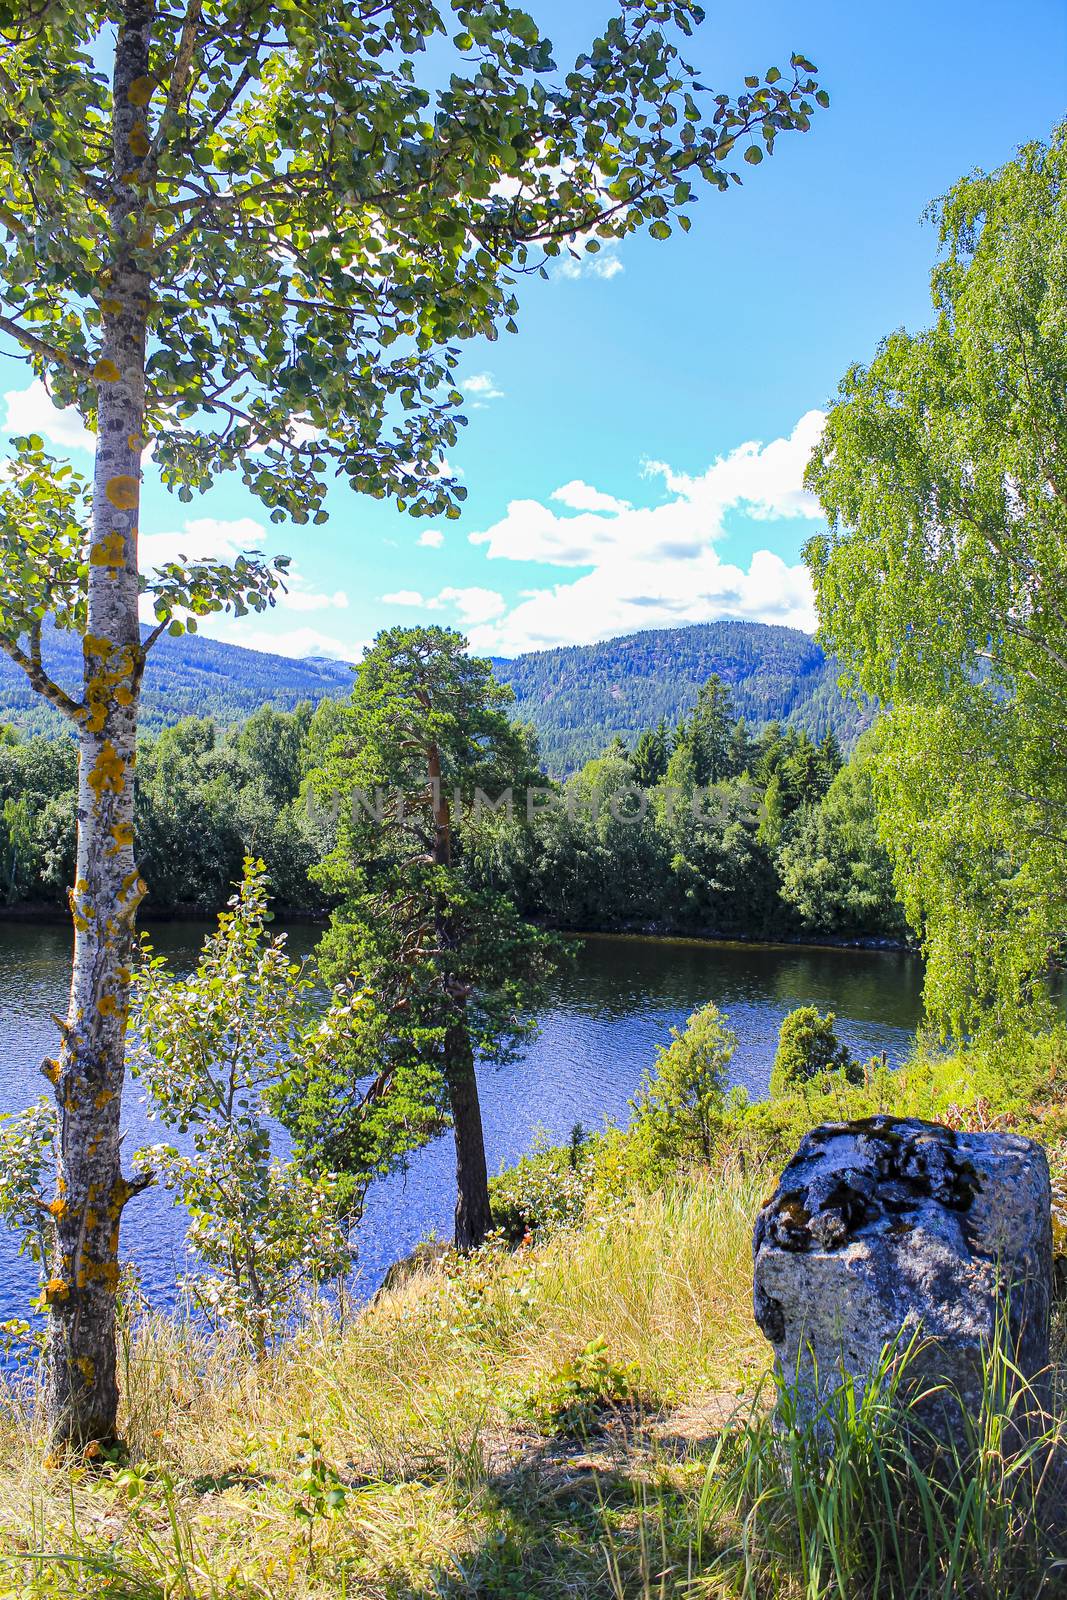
579	697
699	825
187	676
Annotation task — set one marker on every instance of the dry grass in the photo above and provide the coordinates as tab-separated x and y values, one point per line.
416	1420
417	1412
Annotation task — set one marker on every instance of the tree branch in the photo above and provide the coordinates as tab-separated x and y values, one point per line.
40	680
31	342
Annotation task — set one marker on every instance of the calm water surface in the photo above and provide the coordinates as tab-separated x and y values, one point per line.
598	1035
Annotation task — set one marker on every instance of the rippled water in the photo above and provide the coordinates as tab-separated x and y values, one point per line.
610	1011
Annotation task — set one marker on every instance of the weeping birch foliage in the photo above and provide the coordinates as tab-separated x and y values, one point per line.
942	586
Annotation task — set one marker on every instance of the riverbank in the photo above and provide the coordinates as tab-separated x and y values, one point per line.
54	915
568	1417
798	941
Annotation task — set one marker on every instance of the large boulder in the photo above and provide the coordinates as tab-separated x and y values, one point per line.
886	1227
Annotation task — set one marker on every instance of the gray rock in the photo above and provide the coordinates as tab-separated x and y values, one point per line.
886	1227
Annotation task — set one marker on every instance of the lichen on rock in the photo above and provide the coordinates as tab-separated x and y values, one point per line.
885	1228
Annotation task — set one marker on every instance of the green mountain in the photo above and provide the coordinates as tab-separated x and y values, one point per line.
580	697
577	698
187	677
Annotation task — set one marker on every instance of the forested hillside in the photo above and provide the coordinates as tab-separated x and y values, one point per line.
581	697
578	699
186	677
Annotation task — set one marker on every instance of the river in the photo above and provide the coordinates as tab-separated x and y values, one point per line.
609	1012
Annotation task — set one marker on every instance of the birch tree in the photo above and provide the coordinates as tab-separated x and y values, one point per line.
941	587
247	233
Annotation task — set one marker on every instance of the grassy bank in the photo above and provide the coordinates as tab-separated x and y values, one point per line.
581	1416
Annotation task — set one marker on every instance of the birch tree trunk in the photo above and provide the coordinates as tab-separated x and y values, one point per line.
81	1387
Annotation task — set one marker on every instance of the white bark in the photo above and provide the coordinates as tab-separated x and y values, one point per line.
82	1392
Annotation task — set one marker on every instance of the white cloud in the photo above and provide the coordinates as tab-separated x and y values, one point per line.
603	263
204	538
303	598
471	605
767	479
296	642
654	566
481	387
297	431
432	539
581	496
31	411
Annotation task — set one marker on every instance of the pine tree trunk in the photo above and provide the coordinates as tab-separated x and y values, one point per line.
473	1218
472	1177
81	1387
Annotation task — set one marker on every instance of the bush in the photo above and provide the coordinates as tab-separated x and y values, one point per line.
808	1047
545	1191
680	1103
572	1398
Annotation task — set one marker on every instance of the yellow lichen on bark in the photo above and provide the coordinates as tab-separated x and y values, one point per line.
123	491
122	834
141	90
109	771
140	144
110	551
104	686
106	371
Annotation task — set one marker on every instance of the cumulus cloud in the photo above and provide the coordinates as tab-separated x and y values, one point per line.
765	479
431	539
295	642
203	538
604	263
31	411
581	496
301	597
654	566
469	606
480	387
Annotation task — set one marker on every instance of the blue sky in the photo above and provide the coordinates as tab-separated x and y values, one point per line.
633	456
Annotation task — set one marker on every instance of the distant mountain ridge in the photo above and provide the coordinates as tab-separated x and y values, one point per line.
578	697
581	696
187	677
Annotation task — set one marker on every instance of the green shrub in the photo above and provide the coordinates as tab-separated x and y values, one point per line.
572	1398
544	1191
680	1103
808	1047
